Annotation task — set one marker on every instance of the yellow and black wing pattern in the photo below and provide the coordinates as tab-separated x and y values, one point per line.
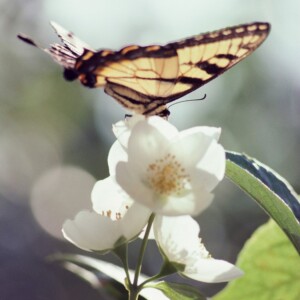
145	79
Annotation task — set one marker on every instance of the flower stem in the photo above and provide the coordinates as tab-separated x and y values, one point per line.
142	250
122	253
133	294
166	269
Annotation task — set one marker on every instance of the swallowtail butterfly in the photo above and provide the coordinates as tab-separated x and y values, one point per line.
144	79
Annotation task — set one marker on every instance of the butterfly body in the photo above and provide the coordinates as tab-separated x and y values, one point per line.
144	79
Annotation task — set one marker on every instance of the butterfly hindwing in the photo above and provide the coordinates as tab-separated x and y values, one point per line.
145	79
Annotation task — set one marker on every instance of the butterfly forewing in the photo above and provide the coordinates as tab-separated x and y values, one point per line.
206	56
70	41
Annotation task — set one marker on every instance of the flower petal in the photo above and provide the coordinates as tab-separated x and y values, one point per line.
213	271
172	238
93	232
135	220
146	143
122	129
186	249
202	198
213	132
163	126
89	231
211	169
191	145
192	203
109	199
133	184
116	154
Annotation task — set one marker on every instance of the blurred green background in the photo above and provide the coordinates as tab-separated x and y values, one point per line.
55	135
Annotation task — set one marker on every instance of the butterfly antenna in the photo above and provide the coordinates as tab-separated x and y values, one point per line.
29	41
189	100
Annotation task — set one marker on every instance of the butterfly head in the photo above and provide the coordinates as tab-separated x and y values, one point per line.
88	79
70	74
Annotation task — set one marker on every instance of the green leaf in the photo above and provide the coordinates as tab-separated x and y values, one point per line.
178	291
272	192
271	266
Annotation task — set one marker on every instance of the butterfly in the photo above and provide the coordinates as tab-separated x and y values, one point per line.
144	79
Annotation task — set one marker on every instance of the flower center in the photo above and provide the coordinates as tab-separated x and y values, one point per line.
167	176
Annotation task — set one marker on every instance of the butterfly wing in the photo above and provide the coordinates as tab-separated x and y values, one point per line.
66	54
70	41
145	79
206	56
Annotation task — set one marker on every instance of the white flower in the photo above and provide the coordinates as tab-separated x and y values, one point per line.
116	220
170	172
178	239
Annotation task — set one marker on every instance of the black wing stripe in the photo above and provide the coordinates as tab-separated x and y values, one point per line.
227	56
210	68
190	80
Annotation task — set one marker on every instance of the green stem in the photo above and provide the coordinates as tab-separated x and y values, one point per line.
122	253
166	269
142	250
155	277
133	294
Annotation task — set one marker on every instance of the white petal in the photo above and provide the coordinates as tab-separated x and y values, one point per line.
211	169
212	270
93	232
134	185
191	146
109	199
202	199
192	203
116	154
135	220
213	132
146	144
122	129
163	126
177	237
90	231
153	293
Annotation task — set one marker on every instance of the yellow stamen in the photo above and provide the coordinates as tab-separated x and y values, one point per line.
167	176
